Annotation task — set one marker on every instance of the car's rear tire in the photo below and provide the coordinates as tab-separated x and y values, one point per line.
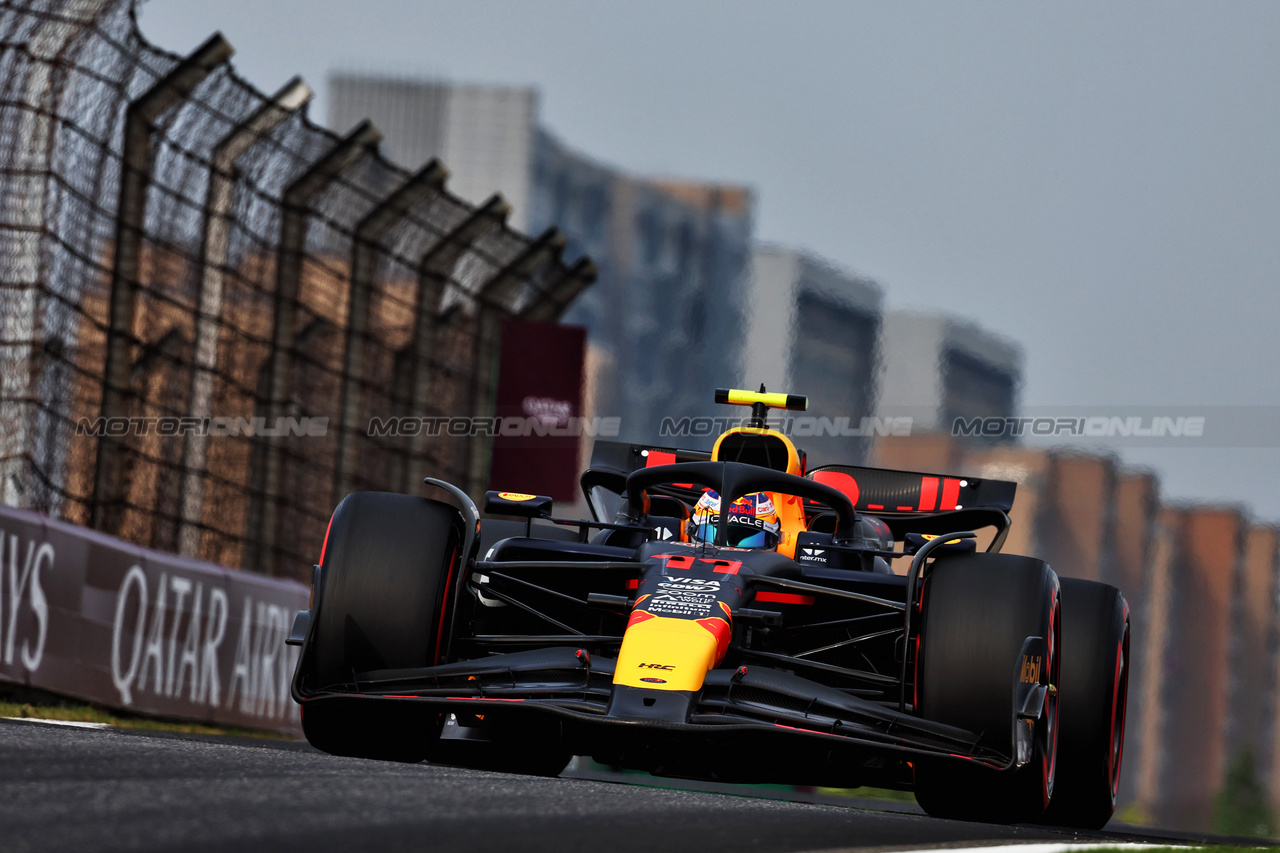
381	601
1095	676
978	610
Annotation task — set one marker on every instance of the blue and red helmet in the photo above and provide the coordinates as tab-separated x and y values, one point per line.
750	521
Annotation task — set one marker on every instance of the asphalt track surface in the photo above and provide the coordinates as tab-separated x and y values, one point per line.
88	790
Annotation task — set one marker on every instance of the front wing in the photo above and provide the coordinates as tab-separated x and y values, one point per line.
752	712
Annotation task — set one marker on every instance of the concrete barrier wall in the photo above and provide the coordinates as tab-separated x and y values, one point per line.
92	617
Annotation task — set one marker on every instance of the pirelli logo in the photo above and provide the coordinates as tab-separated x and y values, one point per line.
1031	665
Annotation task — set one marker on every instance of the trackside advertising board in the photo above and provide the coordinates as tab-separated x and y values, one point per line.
539	409
91	617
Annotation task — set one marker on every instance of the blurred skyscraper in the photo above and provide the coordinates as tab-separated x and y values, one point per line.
664	318
937	368
813	329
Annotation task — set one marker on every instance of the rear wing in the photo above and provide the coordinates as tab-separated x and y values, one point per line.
874	490
621	457
907	501
612	461
880	490
911	502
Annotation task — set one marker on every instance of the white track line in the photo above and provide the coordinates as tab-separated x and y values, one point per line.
1040	848
75	724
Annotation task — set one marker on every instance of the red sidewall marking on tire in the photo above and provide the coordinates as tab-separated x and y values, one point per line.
915	672
444	603
915	679
1050	765
1118	708
325	544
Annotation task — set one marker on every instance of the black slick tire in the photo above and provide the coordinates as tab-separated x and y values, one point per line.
387	564
1095	676
978	610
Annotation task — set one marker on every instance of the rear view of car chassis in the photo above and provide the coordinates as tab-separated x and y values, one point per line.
616	638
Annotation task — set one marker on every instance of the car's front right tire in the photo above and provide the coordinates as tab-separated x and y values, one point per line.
1095	679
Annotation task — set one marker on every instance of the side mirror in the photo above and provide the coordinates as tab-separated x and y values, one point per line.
913	542
518	504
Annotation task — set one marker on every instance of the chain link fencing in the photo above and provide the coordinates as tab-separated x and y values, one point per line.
206	297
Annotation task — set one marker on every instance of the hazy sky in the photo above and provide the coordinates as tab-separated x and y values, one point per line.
1098	181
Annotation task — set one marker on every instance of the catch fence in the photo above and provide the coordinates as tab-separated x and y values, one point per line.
206	297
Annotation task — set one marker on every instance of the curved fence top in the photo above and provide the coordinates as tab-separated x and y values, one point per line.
190	363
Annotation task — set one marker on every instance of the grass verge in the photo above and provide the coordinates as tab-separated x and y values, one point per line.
867	793
80	713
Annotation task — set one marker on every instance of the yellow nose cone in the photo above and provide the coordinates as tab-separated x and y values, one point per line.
662	653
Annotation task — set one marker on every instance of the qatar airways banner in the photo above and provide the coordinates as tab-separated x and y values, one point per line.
91	617
539	395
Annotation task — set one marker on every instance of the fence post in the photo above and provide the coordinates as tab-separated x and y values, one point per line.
426	182
293	233
492	305
213	259
117	392
434	271
19	304
559	291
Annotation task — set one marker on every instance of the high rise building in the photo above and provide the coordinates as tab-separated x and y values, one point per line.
484	134
813	329
937	368
664	324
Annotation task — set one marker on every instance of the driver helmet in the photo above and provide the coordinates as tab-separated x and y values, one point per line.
752	521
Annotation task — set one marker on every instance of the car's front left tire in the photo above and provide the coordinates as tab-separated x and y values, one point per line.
380	604
977	612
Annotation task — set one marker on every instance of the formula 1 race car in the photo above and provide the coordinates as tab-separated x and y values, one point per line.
727	615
